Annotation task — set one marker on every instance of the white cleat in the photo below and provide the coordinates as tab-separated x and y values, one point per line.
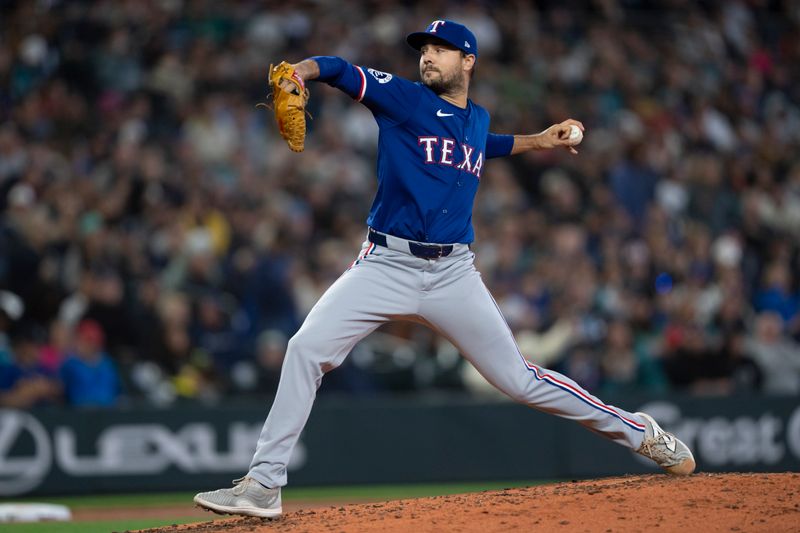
248	497
665	449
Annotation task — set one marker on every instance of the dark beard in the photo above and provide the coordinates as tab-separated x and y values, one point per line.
445	84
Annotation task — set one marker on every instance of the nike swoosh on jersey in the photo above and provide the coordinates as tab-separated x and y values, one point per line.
440	114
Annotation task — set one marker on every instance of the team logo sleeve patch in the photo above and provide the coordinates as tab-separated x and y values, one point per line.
382	77
387	101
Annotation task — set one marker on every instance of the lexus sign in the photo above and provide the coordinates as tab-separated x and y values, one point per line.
28	452
22	473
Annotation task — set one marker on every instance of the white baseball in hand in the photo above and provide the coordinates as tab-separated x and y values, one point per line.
575	135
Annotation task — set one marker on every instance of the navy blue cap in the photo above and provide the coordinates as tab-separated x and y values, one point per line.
448	31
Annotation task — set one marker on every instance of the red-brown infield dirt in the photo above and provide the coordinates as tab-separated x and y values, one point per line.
702	502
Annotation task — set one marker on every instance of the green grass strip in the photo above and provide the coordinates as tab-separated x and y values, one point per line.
397	492
339	493
99	526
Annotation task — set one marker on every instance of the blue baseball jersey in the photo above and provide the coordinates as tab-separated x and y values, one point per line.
431	153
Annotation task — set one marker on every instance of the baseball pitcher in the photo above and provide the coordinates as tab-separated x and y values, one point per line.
415	263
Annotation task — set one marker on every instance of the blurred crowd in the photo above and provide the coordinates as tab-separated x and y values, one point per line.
158	240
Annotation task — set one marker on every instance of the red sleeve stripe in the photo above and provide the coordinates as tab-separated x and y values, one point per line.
363	85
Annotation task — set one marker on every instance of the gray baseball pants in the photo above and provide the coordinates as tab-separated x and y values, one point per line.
446	294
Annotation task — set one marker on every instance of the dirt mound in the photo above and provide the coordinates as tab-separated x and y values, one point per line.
711	502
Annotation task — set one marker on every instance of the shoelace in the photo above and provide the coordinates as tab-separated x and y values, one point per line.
656	449
240	485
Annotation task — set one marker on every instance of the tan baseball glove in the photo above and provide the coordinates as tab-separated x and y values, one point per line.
289	98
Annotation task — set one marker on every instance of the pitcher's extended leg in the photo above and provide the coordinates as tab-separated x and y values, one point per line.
482	335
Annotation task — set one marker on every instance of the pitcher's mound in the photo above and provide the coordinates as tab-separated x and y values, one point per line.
702	502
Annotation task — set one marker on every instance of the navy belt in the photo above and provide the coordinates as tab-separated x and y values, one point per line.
425	251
